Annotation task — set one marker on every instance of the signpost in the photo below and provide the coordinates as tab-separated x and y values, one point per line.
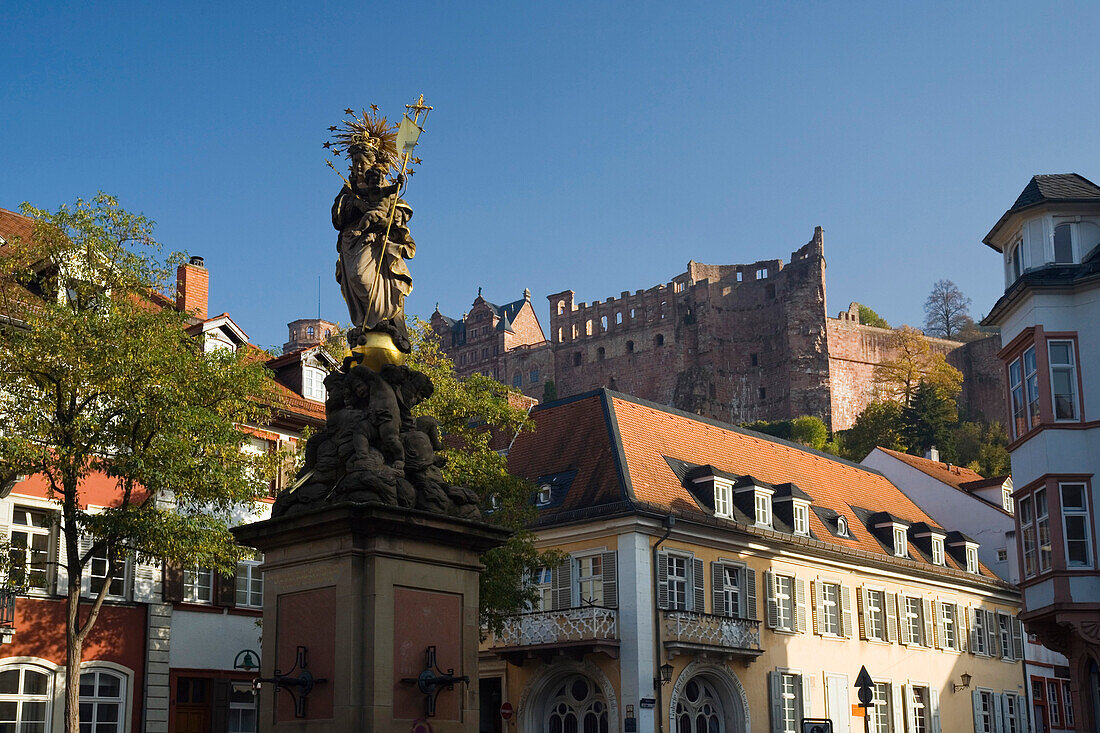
866	694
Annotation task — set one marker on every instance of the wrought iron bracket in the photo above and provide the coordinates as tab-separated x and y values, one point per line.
432	680
303	682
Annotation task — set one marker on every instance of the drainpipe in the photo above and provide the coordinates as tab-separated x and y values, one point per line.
670	521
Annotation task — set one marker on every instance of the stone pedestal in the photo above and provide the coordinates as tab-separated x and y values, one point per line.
367	588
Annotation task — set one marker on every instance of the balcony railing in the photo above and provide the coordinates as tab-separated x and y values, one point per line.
567	625
686	631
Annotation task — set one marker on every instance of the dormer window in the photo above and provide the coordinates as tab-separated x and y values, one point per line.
1006	498
972	560
763	504
544	495
841	527
801	519
313	384
937	551
723	506
901	542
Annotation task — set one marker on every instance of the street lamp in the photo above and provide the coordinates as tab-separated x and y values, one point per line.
965	679
665	671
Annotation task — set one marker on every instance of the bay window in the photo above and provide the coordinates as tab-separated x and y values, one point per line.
1063	379
1075	525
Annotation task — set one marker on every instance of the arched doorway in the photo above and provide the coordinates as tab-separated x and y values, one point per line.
708	698
569	698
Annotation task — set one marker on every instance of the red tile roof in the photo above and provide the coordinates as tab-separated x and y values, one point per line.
957	477
618	447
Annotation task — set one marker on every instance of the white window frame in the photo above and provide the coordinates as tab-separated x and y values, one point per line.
836	628
791	702
979	637
915	704
1042	527
19	698
882	712
841	526
1054	704
1069	368
587	580
125	679
48	567
1086	520
544	495
194	581
97	571
801	513
1006	499
734	592
544	587
901	542
233	719
723	499
762	505
781	608
249	584
972	560
985	720
948	625
677	584
313	383
938	557
909	618
875	601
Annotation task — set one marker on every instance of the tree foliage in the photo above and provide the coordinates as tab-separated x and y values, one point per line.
868	317
898	378
928	420
946	311
880	424
98	377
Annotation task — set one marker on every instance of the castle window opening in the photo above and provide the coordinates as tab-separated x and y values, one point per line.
659	340
754	360
630	347
534	376
561	307
664	307
517	380
603	323
618	317
600	354
677	287
740	276
485	353
576	331
559	334
631	312
588	327
577	356
769	292
763	393
309	331
761	273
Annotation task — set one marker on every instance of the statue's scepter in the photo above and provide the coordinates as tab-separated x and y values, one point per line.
408	133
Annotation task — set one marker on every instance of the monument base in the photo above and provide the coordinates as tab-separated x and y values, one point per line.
366	590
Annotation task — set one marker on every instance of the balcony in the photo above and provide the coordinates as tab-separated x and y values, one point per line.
704	634
546	634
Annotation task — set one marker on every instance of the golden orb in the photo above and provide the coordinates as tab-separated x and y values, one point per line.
379	350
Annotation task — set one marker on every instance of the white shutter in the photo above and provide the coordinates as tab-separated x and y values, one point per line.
608	563
899	708
864	622
774	691
891	601
718	591
937	608
662	580
929	639
61	575
773	605
976	701
961	629
1006	714
145	581
1022	719
819	608
934	713
1017	638
903	621
801	605
751	611
84	544
805	699
698	596
998	713
970	617
846	611
910	722
992	633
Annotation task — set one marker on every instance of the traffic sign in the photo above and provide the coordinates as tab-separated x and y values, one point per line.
866	687
506	710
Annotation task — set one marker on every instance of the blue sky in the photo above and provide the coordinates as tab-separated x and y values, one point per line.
588	146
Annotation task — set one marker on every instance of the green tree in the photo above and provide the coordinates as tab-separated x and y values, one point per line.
809	430
982	447
98	378
775	428
880	424
928	420
549	391
868	317
477	413
914	362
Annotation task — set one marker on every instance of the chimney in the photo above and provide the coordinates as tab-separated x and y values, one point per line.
193	288
932	454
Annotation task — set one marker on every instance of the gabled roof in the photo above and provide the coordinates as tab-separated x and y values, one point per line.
957	477
292	357
633	455
1051	188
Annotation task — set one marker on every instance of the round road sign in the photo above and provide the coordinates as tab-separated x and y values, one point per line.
506	710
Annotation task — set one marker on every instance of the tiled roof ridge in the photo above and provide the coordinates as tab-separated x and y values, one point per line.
964	487
725	426
626	488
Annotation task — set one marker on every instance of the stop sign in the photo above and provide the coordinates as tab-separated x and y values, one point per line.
506	710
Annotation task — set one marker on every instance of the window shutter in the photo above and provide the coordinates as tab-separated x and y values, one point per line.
934	713
801	605
699	596
718	587
662	580
863	624
1021	714
998	713
774	691
84	544
970	616
773	608
846	611
1017	639
937	609
610	580
976	701
562	585
929	639
815	596
60	559
992	635
225	589
145	580
891	601
751	611
899	708
903	621
804	697
221	705
172	587
961	628
910	722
